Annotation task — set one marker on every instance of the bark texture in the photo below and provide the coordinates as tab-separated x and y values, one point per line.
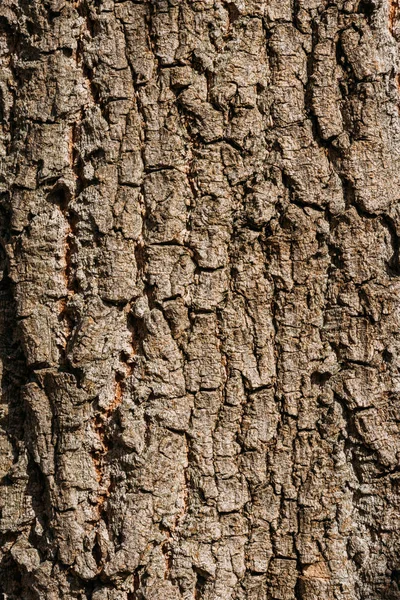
200	316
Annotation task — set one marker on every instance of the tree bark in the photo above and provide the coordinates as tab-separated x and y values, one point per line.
200	300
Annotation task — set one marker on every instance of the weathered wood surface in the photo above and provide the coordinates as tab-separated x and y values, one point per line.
200	317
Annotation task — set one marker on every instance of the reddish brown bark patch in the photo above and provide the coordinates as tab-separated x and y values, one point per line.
393	11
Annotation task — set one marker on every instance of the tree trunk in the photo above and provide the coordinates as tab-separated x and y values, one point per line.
200	314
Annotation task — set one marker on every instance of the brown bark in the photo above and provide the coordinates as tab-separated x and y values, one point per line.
199	325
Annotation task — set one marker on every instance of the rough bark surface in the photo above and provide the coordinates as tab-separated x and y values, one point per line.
200	316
